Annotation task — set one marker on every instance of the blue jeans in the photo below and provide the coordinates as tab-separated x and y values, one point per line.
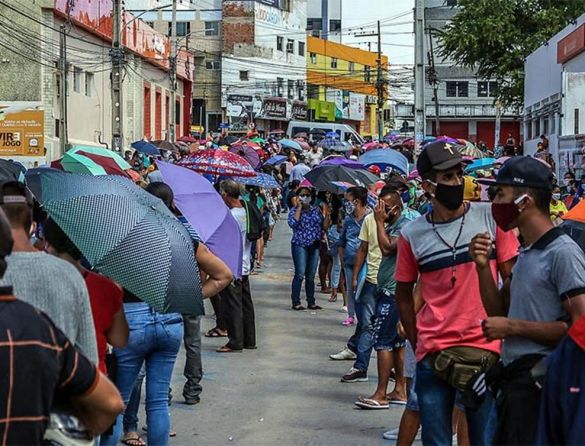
154	340
348	273
436	399
335	271
306	260
130	418
362	341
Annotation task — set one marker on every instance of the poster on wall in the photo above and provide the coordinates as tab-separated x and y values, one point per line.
357	107
348	105
22	126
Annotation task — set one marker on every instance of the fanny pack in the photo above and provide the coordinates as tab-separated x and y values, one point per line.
458	365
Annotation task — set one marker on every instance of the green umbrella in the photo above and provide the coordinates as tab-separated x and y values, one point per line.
76	163
258	140
103	152
93	161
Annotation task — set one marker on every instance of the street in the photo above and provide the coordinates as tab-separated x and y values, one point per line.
287	391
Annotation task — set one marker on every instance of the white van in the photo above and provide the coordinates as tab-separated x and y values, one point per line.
344	131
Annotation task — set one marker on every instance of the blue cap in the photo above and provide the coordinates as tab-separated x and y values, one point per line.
525	171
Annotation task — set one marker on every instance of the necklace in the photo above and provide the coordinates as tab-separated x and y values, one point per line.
453	247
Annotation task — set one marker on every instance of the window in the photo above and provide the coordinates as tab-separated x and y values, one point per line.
213	65
312	91
291	89
290	46
576	121
528	129
553	119
183	28
457	89
301	90
244	75
334	26
537	128
279	43
301	48
212	28
314	24
313	58
545	124
77	72
487	89
351	67
367	74
285	5
333	62
89	84
279	86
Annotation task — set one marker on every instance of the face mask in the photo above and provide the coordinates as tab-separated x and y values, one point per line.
349	207
505	214
556	197
305	200
567	181
449	196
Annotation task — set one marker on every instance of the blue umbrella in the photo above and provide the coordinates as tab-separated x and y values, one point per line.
276	160
481	163
385	158
341	146
327	143
289	143
261	180
334	135
145	147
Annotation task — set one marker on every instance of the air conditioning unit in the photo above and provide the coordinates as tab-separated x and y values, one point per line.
371	99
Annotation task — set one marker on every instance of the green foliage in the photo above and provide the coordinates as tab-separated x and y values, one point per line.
495	36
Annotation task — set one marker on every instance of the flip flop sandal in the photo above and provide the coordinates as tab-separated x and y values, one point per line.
395	402
370	404
333	299
134	441
226	349
214	333
145	429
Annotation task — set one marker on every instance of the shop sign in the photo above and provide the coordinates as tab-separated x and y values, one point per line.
21	129
299	111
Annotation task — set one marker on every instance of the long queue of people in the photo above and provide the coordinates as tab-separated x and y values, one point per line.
476	310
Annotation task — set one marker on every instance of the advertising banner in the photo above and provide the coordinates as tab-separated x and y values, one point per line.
299	111
22	128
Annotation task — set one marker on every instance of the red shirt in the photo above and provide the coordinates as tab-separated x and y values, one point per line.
105	297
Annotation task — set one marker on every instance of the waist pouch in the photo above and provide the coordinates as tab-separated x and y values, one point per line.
458	365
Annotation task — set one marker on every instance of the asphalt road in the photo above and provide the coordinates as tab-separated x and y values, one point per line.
288	391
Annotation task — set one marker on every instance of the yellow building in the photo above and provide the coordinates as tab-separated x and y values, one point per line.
342	84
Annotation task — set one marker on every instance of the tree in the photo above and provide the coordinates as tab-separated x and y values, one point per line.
494	37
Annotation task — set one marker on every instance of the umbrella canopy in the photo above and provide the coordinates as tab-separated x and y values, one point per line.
188	139
261	180
258	140
218	162
322	177
502	159
165	145
469	149
333	135
577	213
248	153
228	140
343	186
276	160
320	132
575	229
77	160
289	143
109	218
145	147
301	135
341	161
304	144
326	143
206	211
479	164
121	162
448	139
371	146
277	132
385	158
9	170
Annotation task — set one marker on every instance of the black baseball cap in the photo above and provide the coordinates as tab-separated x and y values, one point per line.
524	171
15	192
438	155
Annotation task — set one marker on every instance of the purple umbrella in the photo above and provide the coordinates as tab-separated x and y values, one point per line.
205	210
248	153
341	161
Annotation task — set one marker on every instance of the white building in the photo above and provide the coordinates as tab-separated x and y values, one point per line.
554	97
324	19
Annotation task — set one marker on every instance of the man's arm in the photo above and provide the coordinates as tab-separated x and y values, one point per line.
545	333
406	308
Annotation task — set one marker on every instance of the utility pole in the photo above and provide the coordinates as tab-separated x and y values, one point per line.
63	91
434	81
117	55
419	74
498	124
173	73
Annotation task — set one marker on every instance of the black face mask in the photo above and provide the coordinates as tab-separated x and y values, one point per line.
449	196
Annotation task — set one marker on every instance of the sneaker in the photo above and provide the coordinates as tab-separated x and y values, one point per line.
392	435
343	309
344	355
354	375
348	322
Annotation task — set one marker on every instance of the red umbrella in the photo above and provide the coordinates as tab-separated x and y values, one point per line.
187	138
248	153
304	144
218	162
277	132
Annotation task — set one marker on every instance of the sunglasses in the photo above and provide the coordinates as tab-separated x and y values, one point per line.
304	195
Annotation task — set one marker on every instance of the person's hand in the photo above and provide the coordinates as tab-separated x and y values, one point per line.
495	328
400	330
480	249
354	284
380	214
295	202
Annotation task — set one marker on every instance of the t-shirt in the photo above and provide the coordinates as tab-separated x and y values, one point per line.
242	219
306	230
56	287
38	366
369	234
313	158
544	276
105	297
557	210
453	314
386	279
299	171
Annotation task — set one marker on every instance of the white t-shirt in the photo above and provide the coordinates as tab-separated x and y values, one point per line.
240	216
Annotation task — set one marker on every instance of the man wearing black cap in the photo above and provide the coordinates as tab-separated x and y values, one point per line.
544	294
434	251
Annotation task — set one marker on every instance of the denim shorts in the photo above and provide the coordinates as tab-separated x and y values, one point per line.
409	361
385	333
412	402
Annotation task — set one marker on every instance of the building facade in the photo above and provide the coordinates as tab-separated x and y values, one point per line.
263	66
324	19
554	97
342	84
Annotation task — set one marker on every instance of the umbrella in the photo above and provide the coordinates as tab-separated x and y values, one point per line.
276	160
385	158
188	139
304	144
121	162
216	226
334	135
228	140
343	186
326	143
341	146
165	145
248	153
258	140
317	132
447	139
322	177
289	143
305	183
78	160
218	162
9	170
145	147
341	161
261	180
277	132
109	219
481	163
371	146
301	135
575	229
469	149
502	159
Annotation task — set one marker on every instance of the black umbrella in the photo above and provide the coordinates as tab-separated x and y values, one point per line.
322	178
228	140
576	230
9	170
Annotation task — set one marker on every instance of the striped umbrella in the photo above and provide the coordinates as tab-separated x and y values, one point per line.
218	162
92	161
128	235
261	180
290	144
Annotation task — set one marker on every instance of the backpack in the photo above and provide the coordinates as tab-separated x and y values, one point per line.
254	224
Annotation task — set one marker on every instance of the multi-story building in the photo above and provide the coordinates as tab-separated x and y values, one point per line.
263	66
342	84
324	18
30	78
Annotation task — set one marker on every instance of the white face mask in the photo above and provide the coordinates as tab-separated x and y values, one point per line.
567	181
556	197
305	200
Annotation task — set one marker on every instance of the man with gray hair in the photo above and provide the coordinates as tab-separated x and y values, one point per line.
236	299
